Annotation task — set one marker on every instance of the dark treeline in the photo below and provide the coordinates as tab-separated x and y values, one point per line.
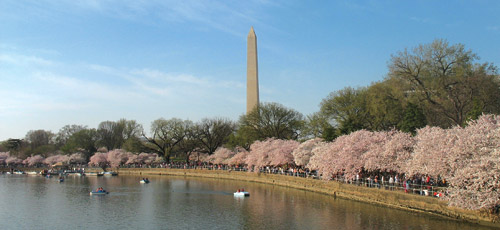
434	84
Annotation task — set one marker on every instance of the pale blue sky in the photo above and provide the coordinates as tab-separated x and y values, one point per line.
83	62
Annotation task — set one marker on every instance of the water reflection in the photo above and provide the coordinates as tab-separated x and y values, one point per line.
34	202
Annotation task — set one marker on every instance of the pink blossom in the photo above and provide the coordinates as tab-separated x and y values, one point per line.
271	152
220	156
56	159
77	158
303	153
117	157
13	160
99	159
4	156
34	160
240	156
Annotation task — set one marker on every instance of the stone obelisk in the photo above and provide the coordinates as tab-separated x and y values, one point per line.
252	72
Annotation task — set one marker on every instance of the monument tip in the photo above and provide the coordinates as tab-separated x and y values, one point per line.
252	32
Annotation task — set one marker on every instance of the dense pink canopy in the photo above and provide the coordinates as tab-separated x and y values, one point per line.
345	154
303	153
221	156
240	157
271	152
4	156
34	160
390	153
117	157
432	148
56	159
13	160
474	164
77	158
99	159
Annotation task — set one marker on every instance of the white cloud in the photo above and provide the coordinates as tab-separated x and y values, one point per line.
24	60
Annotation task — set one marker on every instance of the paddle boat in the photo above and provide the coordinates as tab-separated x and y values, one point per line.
144	181
93	174
110	173
241	193
99	191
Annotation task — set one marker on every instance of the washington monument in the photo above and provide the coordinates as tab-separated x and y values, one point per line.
252	72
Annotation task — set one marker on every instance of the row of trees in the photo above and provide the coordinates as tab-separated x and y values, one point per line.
467	157
167	137
434	84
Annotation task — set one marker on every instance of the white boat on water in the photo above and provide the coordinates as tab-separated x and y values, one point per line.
241	194
110	174
144	181
93	174
19	172
32	173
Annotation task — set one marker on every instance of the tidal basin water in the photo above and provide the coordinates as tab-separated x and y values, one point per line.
35	202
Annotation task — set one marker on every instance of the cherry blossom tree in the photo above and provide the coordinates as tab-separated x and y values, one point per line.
220	156
240	156
77	158
117	157
271	152
281	152
258	155
345	154
390	152
3	157
432	148
318	153
34	160
11	160
475	165
56	159
303	153
99	159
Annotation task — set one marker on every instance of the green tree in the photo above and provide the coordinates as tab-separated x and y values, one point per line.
384	105
166	134
413	119
271	120
317	125
213	133
84	140
446	80
66	132
347	109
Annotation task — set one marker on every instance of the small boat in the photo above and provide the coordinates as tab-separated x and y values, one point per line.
93	174
19	172
61	179
32	173
79	174
110	174
144	181
240	194
102	192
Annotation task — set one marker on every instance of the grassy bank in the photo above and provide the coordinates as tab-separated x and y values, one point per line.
382	197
